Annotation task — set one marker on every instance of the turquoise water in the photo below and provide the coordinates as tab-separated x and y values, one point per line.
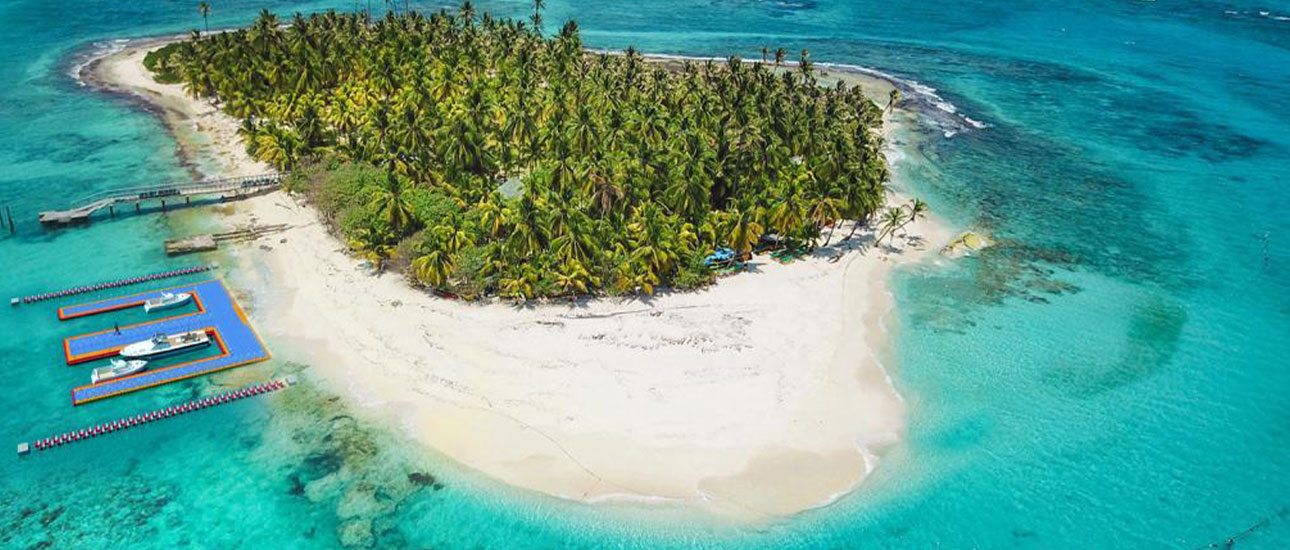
1110	376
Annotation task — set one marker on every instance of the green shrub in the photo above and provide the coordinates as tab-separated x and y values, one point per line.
161	62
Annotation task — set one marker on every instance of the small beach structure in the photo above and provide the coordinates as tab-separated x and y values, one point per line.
52	442
211	241
216	314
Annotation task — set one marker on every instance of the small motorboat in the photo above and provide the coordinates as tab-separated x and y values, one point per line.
119	368
165	344
167	300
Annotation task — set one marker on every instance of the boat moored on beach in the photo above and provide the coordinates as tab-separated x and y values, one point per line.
118	369
165	344
167	300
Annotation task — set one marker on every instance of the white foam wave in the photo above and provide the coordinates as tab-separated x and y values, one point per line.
98	50
975	123
928	93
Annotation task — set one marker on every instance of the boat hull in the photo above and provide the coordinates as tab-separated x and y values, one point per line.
168	351
176	345
111	373
151	306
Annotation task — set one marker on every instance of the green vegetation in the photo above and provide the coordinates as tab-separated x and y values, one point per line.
897	217
162	65
621	175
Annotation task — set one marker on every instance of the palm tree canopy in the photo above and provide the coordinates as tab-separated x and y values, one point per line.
538	168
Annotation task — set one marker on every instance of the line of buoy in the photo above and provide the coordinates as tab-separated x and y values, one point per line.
149	417
112	284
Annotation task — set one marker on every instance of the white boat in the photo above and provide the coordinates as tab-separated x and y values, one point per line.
119	368
164	344
167	300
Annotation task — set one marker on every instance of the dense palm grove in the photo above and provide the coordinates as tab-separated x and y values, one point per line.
489	159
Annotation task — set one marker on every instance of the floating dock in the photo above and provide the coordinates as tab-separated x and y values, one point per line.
110	284
147	418
217	313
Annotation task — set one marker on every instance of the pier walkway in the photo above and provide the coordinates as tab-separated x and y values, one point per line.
82	209
217	313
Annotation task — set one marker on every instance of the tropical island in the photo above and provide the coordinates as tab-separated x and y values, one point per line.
525	167
487	159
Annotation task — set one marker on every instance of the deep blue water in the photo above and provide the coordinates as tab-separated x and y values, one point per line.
1112	375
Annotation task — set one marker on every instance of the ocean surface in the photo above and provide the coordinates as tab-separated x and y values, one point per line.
1112	375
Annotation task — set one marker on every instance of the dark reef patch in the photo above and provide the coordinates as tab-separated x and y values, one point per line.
1149	343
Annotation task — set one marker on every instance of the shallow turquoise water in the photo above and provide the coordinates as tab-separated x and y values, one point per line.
1111	376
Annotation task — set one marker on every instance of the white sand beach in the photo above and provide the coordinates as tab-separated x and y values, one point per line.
759	397
207	137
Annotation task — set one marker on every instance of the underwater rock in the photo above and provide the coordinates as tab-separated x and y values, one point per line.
966	244
51	516
353	444
421	479
362	500
297	487
321	489
356	534
320	464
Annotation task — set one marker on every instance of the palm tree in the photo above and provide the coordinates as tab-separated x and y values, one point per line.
779	56
892	97
764	53
536	18
372	245
522	284
745	231
390	203
204	8
826	211
892	220
434	267
574	279
917	209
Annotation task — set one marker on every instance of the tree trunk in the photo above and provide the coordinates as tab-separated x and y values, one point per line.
854	227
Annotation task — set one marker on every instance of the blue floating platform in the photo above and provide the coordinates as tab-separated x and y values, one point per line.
218	314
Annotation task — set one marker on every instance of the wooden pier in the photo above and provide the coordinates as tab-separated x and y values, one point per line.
81	210
150	417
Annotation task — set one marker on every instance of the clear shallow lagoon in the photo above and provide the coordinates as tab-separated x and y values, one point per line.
1111	376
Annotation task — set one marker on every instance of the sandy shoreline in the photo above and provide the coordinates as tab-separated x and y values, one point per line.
759	397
